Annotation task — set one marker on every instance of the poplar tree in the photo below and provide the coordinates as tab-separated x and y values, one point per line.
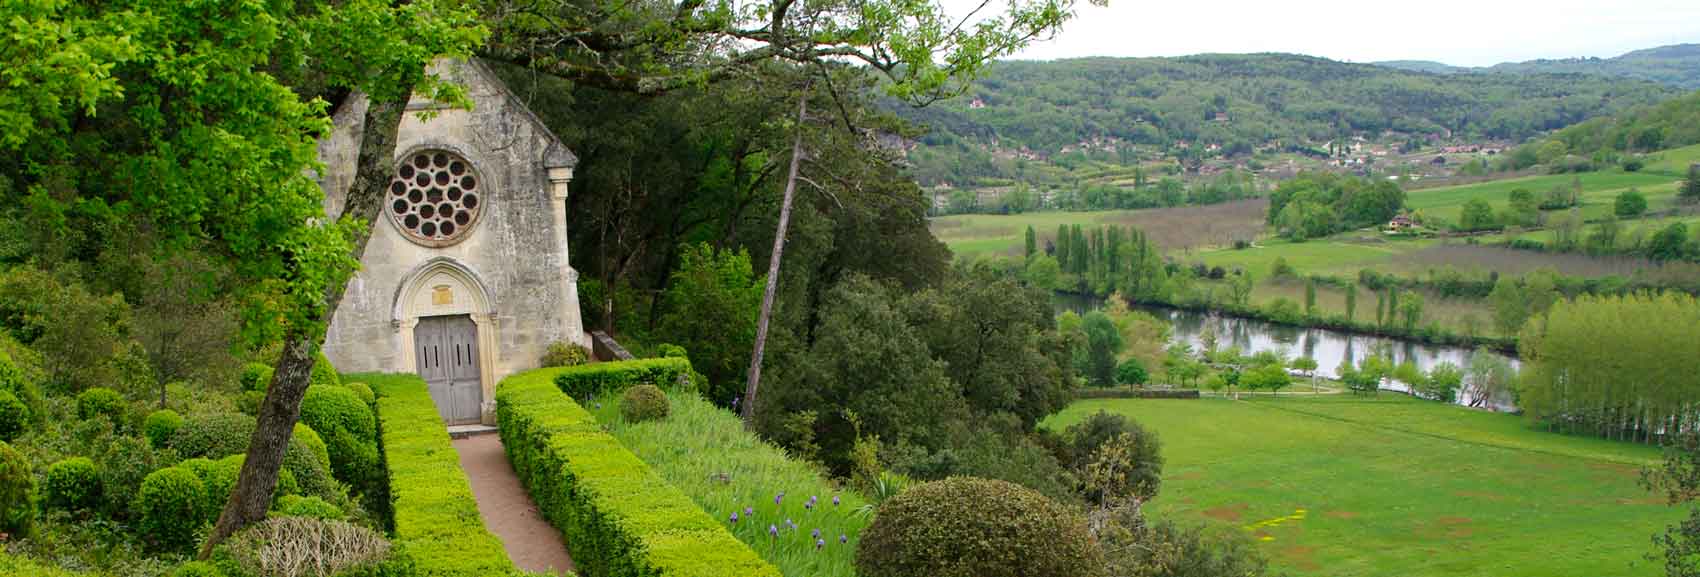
1064	251
1351	302
1032	242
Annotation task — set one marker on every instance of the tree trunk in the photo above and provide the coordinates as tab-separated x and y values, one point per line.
253	493
749	405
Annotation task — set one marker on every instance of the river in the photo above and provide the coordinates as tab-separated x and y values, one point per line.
1328	347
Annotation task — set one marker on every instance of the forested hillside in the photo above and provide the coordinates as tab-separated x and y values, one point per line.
1228	105
1676	65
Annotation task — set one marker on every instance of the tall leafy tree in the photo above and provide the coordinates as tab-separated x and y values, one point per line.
1032	242
1103	343
200	120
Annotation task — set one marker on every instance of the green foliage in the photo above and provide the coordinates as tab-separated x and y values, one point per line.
698	448
1156	102
436	519
1355	202
83	338
1170	549
564	354
1601	364
710	308
619	518
585	381
298	506
1140	463
102	402
328	409
20	565
644	403
324	374
14	416
964	527
213	435
170	502
1103	343
160	426
362	391
72	484
255	377
1477	215
17	492
197	569
1442	382
1670	243
1131	372
1629	204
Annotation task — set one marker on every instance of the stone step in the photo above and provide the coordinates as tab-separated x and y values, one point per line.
464	431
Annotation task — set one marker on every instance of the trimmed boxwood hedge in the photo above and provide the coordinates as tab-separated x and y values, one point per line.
619	517
436	518
582	381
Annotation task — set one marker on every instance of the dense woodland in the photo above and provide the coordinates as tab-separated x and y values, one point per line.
1676	65
1241	103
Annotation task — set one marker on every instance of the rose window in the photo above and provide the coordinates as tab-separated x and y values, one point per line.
435	197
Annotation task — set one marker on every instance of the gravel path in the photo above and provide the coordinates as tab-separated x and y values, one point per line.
507	510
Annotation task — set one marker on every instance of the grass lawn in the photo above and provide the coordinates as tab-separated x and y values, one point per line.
705	452
1186	226
1344	486
1599	189
1340	255
1675	161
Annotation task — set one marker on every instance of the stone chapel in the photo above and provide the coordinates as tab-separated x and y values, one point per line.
465	279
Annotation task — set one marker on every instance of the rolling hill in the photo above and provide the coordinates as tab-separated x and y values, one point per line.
1676	65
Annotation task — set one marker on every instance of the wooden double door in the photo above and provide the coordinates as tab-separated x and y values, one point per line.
446	350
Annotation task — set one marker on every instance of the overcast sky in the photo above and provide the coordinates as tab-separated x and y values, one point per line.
1458	32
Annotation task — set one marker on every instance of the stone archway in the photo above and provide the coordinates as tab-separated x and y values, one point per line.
445	287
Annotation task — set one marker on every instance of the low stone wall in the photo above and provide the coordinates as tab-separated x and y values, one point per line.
606	350
1136	394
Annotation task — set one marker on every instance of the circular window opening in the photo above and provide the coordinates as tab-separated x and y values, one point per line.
422	209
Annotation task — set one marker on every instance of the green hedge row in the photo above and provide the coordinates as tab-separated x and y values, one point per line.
620	518
581	381
436	517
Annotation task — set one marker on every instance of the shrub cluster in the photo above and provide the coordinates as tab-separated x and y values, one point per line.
585	381
101	402
967	527
564	354
435	516
255	377
620	519
298	506
324	374
73	484
170	502
160	426
213	435
17	490
14	416
644	403
346	425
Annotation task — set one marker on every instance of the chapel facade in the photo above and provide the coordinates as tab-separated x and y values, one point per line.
466	278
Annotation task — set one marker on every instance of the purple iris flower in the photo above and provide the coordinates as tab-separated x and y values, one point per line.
819	543
772	531
815	534
835	500
779	497
749	511
734	516
842	538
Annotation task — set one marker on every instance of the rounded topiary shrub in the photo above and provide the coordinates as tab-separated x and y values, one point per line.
73	484
967	527
249	402
14	416
160	426
298	506
644	403
308	460
324	374
326	409
362	390
197	569
101	402
213	435
255	377
564	354
17	488
170	504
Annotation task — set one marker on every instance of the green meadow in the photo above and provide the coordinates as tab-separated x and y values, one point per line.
1599	189
1344	486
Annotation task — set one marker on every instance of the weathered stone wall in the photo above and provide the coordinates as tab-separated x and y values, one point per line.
512	253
